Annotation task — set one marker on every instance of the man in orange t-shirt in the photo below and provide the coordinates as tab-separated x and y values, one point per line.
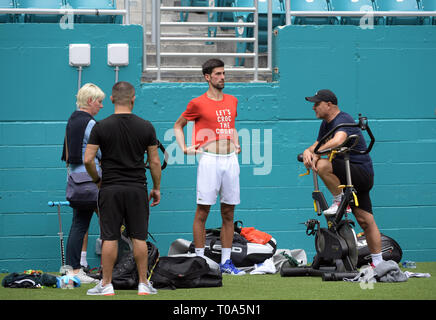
216	139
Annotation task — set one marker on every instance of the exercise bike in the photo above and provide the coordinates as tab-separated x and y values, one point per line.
336	246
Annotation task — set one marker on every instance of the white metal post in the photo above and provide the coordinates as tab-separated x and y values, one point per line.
158	75
127	8
144	35
256	41
153	21
269	62
288	13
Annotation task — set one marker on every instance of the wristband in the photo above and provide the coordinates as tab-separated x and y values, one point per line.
97	181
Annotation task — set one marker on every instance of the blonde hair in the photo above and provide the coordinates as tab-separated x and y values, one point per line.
87	91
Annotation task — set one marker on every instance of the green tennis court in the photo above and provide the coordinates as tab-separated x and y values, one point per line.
258	287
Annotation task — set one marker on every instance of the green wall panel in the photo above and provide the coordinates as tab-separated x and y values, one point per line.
387	74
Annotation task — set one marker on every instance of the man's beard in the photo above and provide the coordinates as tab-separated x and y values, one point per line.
218	86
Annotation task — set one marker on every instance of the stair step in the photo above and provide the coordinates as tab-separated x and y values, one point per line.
188	46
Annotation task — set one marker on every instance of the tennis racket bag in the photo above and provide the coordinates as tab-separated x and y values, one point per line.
391	250
244	253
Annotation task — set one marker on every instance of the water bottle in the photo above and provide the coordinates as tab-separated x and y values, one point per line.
409	264
65	269
66	282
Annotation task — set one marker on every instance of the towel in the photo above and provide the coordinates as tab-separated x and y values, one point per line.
266	267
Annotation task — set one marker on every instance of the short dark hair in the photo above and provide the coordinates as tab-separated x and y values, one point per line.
211	64
122	92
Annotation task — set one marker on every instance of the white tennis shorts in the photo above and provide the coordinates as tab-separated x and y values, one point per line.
218	174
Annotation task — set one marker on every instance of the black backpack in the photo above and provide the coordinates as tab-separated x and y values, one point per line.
184	272
125	273
391	250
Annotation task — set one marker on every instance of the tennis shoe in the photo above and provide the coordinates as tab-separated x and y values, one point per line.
334	208
100	290
81	275
229	268
146	289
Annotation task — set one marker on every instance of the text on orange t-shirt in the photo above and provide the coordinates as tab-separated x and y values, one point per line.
214	120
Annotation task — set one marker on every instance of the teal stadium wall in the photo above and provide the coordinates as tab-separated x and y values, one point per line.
386	73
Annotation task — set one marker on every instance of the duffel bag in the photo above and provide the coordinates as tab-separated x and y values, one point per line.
184	272
391	250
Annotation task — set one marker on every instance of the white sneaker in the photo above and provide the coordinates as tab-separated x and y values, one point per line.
334	208
146	289
99	290
81	275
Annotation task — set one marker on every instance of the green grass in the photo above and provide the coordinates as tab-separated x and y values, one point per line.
257	287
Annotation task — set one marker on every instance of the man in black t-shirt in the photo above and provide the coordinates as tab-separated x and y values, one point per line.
333	173
123	138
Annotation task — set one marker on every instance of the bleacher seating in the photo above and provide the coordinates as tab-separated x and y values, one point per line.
39	18
59	4
278	19
399	5
311	5
351	5
429	5
225	16
191	3
95	4
7	18
216	16
244	32
212	16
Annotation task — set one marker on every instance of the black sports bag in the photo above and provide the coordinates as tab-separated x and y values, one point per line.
184	272
391	250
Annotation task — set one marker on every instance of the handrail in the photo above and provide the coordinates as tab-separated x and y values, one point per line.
206	54
63	11
362	13
223	39
68	10
358	14
209	24
156	34
210	9
205	24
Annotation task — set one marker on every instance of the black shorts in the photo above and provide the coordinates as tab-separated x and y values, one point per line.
361	179
120	204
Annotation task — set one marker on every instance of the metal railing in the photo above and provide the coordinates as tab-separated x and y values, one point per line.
157	38
359	14
70	11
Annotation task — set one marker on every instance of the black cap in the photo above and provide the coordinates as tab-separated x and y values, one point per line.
323	95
